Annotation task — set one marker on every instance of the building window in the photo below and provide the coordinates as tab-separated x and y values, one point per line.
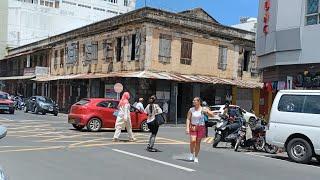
165	48
85	6
61	57
56	4
119	49
72	52
223	56
112	12
246	60
70	3
108	50
90	51
133	47
55	60
186	51
126	2
312	12
99	9
112	1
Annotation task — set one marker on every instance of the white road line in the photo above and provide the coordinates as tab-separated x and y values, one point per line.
155	160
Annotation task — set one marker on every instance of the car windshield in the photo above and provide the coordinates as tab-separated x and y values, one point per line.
45	100
4	96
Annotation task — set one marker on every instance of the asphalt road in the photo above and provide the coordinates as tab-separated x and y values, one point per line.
40	147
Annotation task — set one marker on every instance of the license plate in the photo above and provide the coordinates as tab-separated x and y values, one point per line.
71	121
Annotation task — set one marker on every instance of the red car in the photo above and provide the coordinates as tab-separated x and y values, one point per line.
97	113
5	103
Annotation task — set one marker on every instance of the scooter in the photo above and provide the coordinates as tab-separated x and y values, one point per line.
226	131
3	133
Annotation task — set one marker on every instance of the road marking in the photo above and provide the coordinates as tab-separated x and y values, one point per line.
33	149
155	160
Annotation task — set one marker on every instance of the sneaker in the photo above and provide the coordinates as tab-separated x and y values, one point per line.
191	157
132	140
196	160
115	140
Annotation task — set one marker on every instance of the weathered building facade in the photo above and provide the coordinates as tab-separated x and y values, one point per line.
174	55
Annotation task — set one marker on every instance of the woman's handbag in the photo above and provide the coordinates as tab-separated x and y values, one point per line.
160	119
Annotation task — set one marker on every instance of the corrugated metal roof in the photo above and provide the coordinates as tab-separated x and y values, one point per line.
16	77
159	75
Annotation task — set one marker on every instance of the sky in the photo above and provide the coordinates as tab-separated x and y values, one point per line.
227	12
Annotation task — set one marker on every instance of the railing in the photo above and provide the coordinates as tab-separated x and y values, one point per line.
36	71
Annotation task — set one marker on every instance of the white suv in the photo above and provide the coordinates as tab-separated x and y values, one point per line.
295	124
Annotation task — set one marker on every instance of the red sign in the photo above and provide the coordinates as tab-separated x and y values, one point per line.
266	17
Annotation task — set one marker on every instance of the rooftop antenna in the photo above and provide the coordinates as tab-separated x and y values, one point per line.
145	3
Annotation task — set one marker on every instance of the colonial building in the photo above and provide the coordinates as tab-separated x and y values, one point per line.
174	55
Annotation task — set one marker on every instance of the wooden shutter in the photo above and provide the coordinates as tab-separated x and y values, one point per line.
137	46
129	47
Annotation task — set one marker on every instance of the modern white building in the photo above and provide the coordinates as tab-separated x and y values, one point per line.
26	21
247	23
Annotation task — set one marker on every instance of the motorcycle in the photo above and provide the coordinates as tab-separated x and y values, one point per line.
3	133
226	131
18	103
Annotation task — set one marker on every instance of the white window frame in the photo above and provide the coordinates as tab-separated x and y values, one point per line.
313	14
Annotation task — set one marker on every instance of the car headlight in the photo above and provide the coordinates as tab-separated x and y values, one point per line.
2	175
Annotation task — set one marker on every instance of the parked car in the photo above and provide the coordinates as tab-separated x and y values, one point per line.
295	124
97	113
246	115
5	103
40	104
3	133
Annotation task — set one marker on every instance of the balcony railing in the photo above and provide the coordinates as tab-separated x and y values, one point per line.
36	71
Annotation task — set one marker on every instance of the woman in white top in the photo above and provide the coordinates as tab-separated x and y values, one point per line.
195	127
152	110
123	117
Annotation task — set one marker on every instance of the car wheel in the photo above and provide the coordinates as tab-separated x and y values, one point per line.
43	113
94	125
55	114
144	127
318	158
299	150
78	127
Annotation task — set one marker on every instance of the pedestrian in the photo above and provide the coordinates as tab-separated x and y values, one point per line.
152	110
195	127
123	117
206	117
165	108
139	105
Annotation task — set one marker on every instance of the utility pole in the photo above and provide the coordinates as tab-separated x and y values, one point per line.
145	3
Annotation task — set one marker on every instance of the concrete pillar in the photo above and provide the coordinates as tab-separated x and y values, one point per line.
173	103
256	101
234	94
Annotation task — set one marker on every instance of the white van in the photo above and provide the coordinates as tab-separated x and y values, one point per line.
295	124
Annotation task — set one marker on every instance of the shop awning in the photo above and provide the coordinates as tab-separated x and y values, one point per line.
157	75
16	77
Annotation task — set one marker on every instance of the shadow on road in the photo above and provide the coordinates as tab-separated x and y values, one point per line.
312	163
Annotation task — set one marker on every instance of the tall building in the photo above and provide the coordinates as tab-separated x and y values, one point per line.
286	46
26	21
247	23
